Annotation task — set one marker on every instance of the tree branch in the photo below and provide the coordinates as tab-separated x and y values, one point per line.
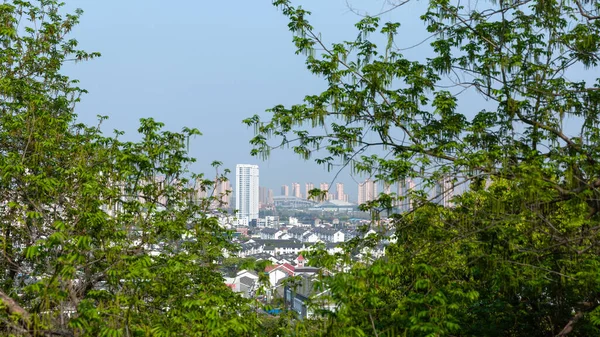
12	307
569	327
585	13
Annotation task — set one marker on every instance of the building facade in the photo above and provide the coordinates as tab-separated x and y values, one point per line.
246	191
443	192
285	190
404	199
367	191
296	190
339	192
325	187
309	187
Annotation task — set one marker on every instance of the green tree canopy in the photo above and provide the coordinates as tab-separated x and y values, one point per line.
98	236
514	254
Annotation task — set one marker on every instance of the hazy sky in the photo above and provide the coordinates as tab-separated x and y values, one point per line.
207	64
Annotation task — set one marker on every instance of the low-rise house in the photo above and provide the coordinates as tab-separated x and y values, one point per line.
279	272
268	233
245	282
325	234
349	234
339	236
282	235
297	232
310	237
250	248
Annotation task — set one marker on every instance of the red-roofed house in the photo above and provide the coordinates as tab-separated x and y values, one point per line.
279	272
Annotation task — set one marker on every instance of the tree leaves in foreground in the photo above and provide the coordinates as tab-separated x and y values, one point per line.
514	254
98	236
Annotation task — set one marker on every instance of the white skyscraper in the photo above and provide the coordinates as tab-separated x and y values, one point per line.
246	191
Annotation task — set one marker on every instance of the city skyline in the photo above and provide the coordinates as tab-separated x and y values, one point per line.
367	190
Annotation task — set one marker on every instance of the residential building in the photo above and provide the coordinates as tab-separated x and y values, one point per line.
387	188
222	194
268	233
367	191
270	221
247	191
245	282
404	200
443	191
279	272
270	197
298	298
298	232
296	190
220	191
308	188
285	190
325	187
339	192
262	196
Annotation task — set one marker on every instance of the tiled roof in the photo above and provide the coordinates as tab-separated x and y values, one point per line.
269	231
286	267
297	230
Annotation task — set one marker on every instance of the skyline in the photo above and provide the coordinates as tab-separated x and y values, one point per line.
369	189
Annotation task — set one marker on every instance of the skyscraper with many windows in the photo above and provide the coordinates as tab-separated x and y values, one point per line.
246	191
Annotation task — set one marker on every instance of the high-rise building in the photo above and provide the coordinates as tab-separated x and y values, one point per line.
200	190
387	188
443	191
270	197
262	196
296	190
285	190
339	191
222	194
405	202
325	187
309	187
246	191
367	191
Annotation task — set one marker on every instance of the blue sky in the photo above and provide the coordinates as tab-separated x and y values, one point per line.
208	65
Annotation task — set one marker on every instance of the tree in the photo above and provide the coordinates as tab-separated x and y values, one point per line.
99	236
515	254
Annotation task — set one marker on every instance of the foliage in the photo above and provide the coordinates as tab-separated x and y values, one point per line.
99	236
515	254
